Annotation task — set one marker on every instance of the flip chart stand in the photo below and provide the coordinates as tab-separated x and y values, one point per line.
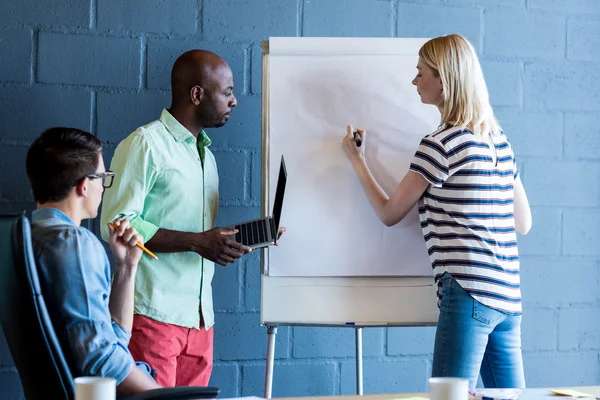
272	335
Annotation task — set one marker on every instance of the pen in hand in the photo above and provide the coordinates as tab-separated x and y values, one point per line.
357	138
138	244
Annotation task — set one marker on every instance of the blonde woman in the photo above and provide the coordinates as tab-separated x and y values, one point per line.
471	204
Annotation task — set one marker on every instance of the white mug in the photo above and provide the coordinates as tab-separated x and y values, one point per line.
448	389
95	388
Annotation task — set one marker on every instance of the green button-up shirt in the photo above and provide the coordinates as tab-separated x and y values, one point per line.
165	178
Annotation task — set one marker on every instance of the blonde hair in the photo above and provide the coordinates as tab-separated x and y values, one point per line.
466	99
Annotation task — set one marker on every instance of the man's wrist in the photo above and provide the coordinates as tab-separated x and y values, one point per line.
124	270
171	241
192	241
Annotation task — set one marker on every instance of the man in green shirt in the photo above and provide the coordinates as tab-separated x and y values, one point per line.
166	184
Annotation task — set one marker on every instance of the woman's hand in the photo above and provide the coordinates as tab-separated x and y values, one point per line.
354	152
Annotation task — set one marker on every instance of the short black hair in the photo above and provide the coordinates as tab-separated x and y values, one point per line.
58	160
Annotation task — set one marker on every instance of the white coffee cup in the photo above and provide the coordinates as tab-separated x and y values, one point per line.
448	389
95	388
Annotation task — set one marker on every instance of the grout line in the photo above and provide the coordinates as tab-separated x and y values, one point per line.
143	84
94	112
482	34
566	42
394	27
564	134
93	14
562	232
241	272
200	19
300	19
247	83
35	44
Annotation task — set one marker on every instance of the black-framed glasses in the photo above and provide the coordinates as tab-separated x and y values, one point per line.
106	176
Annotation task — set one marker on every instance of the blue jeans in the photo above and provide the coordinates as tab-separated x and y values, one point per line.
472	338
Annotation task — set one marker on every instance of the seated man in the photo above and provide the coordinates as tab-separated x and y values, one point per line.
92	321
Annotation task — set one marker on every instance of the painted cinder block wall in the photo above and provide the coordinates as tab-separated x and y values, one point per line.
103	66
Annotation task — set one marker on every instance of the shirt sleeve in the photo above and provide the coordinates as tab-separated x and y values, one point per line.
512	153
97	352
135	174
76	271
121	333
431	161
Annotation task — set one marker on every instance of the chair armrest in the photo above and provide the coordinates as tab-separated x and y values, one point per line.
176	393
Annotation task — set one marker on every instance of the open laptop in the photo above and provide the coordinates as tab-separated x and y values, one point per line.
263	231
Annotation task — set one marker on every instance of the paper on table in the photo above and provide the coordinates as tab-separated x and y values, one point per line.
572	393
495	393
412	398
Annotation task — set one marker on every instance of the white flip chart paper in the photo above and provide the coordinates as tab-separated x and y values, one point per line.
316	88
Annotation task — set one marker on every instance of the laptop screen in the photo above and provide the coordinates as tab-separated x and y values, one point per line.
278	203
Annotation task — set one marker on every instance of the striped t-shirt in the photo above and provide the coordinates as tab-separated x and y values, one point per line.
467	214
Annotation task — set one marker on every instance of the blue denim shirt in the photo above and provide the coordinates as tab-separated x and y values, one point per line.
75	276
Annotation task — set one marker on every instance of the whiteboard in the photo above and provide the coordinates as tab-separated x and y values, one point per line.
338	263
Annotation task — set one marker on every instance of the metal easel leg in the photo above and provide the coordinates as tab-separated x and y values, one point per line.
359	362
272	335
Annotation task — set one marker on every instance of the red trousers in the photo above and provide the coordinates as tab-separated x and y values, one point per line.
181	356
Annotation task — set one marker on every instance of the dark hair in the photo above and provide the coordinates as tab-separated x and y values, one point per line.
58	160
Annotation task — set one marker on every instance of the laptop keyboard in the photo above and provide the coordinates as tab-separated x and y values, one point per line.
252	232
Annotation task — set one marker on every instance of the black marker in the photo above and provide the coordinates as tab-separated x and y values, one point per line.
357	138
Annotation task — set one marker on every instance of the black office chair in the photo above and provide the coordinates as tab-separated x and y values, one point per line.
33	344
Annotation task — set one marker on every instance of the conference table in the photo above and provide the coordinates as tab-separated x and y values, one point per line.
526	394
